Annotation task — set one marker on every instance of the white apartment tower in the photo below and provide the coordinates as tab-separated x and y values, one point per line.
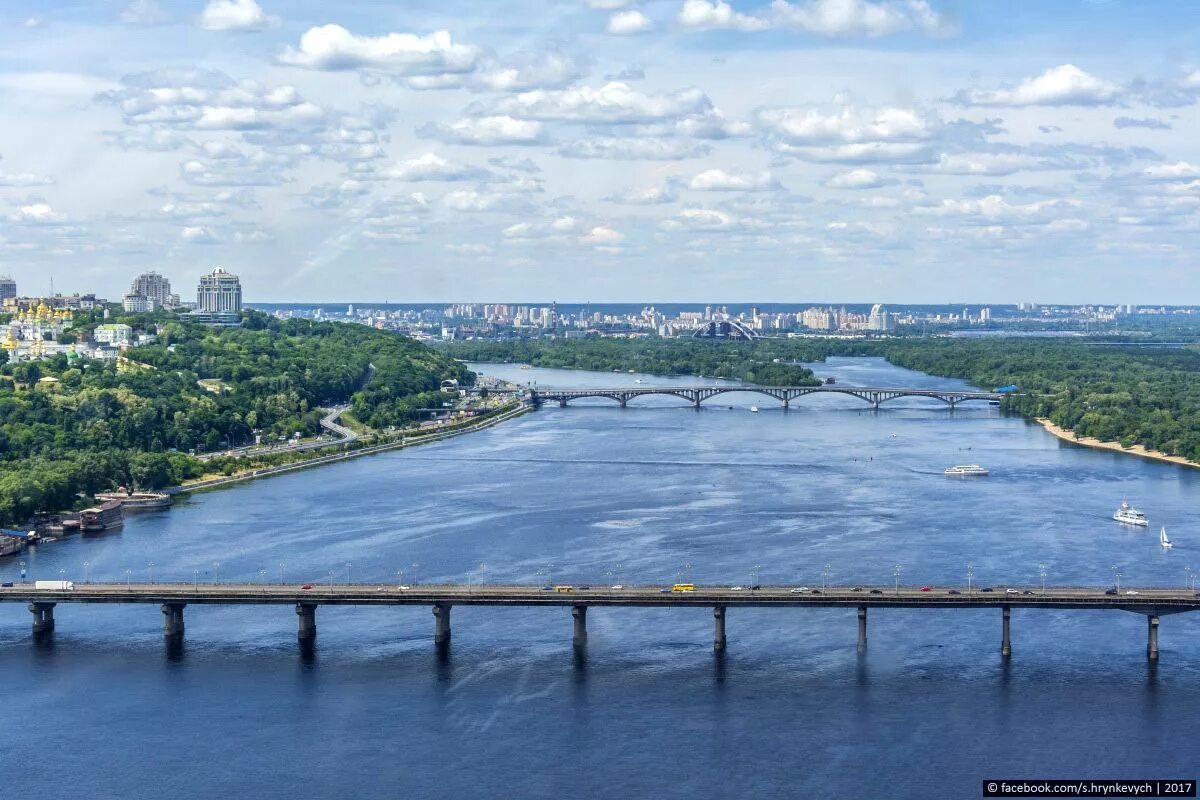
219	292
154	287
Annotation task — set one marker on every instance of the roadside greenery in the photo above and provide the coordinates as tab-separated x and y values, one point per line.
72	427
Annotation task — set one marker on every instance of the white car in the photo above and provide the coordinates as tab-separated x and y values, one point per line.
618	586
736	588
1131	591
402	588
1012	591
799	589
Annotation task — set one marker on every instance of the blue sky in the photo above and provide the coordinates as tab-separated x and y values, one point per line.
606	150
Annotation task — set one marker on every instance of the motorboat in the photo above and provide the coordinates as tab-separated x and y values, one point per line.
754	409
1130	515
966	470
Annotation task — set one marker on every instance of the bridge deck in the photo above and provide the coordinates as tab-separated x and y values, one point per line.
1145	600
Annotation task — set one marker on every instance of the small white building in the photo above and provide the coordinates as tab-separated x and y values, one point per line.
114	334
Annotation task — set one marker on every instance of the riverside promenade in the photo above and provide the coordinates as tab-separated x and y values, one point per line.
173	598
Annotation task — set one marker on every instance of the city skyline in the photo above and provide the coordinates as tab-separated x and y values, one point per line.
658	151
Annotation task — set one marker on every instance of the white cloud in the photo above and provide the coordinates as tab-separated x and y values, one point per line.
485	131
332	47
822	17
143	12
718	180
614	102
1177	171
235	15
521	73
852	134
626	23
857	179
643	196
609	5
633	149
199	234
36	213
600	236
23	179
1065	85
432	167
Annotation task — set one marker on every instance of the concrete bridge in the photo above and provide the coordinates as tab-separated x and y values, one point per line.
696	395
173	598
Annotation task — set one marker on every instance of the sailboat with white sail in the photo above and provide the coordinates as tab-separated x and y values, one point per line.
1162	538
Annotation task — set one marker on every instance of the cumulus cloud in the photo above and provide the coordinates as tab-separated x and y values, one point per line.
332	48
199	234
329	196
432	167
718	180
1065	85
627	23
36	213
489	131
23	179
858	179
614	102
1172	172
821	17
235	15
468	249
706	219
643	196
859	135
633	149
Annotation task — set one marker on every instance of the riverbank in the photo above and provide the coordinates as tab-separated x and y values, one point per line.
1136	450
401	443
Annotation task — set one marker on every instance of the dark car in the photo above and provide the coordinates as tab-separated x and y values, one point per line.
755	587
547	588
1027	591
954	591
877	591
7	584
583	587
1110	591
665	590
986	589
816	591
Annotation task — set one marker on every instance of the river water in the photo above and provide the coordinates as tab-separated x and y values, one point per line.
652	493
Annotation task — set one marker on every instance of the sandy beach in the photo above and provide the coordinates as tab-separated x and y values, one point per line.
1136	449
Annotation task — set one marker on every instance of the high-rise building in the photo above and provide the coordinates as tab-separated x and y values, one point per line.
219	293
8	288
155	288
880	319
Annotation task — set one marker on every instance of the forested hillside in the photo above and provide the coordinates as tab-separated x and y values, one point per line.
92	426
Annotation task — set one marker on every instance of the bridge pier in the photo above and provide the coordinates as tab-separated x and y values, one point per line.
624	401
307	631
579	639
696	402
441	628
172	620
719	629
43	617
1152	637
562	403
786	404
862	629
1006	642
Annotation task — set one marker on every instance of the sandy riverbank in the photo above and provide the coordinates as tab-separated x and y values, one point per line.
1136	450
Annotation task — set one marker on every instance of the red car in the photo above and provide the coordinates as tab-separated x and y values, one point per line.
306	586
926	588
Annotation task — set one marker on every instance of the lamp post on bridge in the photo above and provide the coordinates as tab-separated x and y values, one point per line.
280	573
824	576
897	579
87	572
196	580
1117	578
216	572
970	575
129	580
150	570
1042	573
755	573
347	573
1191	578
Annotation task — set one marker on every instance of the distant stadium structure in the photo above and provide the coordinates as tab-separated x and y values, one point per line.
724	329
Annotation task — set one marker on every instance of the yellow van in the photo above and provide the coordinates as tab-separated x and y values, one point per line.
684	587
564	589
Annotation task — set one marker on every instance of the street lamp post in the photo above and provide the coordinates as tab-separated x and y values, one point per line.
1042	573
347	573
824	576
897	579
129	580
62	576
87	572
1117	578
970	575
150	570
22	572
1191	578
281	573
196	580
755	573
412	572
216	572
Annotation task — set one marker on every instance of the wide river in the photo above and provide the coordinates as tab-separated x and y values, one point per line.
648	494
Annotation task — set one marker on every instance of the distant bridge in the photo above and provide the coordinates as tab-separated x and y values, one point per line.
724	329
784	394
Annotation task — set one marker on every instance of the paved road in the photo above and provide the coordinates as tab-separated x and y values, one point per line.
1146	600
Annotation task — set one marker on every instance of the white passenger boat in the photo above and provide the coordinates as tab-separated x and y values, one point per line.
1130	515
967	470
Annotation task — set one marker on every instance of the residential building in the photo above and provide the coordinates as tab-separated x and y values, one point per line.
155	288
113	334
8	288
219	292
137	304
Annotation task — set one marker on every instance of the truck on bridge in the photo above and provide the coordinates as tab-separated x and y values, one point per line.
1012	387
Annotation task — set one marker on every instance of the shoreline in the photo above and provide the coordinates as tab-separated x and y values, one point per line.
267	472
1116	447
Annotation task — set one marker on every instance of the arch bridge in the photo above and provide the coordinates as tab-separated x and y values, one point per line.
875	396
